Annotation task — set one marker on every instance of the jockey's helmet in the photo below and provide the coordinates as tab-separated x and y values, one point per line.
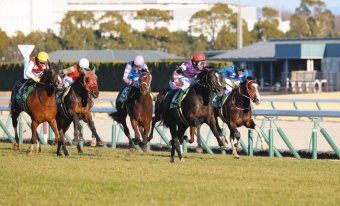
198	56
242	66
84	63
139	61
42	57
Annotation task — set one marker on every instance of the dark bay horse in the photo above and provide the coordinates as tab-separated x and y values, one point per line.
236	111
139	107
41	105
196	108
76	106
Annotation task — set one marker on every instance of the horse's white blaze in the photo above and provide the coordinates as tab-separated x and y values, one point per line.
218	79
256	86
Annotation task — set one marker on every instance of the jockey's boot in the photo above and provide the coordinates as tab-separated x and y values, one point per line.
217	102
174	101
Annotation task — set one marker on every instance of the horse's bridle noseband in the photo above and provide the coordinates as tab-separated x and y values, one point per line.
250	96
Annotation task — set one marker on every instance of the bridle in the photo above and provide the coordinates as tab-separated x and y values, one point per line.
147	83
251	95
207	83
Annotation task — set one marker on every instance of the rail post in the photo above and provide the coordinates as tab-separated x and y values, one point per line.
314	138
250	143
113	135
270	135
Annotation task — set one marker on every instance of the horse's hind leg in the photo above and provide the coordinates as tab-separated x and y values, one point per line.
173	147
199	148
217	133
155	119
15	114
127	134
99	141
58	139
233	134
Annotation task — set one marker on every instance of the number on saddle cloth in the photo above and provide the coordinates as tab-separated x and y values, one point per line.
124	94
25	89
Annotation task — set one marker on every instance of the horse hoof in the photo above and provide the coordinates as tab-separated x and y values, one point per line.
80	152
39	149
182	160
59	154
264	147
237	145
75	142
223	147
29	152
199	150
172	159
236	156
16	147
50	142
66	153
100	144
224	141
145	148
93	143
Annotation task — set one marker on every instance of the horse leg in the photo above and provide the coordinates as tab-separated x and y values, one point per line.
135	127
34	126
77	129
233	132
153	124
172	141
58	139
15	114
79	138
192	135
99	141
199	148
213	127
264	145
127	134
145	132
221	135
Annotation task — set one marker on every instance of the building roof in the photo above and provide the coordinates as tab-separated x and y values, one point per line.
280	48
110	55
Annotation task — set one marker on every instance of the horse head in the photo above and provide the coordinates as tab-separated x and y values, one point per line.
90	83
51	75
210	78
250	89
144	82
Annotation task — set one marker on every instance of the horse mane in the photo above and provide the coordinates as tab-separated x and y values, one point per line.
80	90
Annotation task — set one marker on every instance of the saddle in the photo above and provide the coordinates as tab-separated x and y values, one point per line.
177	98
25	89
219	101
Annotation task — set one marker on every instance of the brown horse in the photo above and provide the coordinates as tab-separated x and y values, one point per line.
139	107
76	106
236	111
41	105
196	108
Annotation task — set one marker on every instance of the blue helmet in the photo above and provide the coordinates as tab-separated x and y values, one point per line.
241	66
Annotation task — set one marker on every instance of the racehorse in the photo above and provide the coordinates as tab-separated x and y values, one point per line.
196	108
76	105
40	105
236	111
139	107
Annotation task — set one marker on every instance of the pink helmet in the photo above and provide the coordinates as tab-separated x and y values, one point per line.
139	61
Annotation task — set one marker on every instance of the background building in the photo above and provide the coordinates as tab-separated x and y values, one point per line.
32	15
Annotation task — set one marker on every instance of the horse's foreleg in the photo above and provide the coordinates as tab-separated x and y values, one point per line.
233	134
34	126
135	127
60	140
77	130
213	127
264	145
199	148
146	130
99	141
153	124
172	142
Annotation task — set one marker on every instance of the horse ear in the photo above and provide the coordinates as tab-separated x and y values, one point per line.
94	69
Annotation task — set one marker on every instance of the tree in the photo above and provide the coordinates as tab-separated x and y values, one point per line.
76	30
113	27
4	43
209	22
312	19
268	27
153	17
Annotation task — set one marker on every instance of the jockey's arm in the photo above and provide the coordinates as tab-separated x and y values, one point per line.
69	70
127	70
29	71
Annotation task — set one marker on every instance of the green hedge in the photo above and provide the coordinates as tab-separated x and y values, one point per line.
109	74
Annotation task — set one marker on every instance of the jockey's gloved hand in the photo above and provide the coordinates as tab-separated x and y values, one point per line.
36	79
135	83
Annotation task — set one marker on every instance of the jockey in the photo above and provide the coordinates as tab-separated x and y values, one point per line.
233	75
186	74
131	76
72	73
37	66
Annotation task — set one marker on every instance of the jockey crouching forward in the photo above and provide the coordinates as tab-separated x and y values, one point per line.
186	74
36	67
232	75
131	77
73	73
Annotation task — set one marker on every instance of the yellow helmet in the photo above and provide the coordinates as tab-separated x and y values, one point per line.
42	57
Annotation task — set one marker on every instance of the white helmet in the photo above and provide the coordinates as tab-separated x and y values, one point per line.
139	61
84	63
